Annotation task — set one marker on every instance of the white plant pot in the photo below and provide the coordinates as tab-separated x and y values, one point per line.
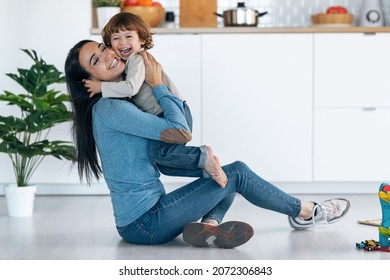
104	14
20	200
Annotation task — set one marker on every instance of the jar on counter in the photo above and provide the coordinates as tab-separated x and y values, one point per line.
169	20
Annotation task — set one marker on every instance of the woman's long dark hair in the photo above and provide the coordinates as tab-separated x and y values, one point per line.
87	157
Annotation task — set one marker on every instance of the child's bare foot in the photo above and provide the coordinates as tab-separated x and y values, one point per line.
211	166
214	169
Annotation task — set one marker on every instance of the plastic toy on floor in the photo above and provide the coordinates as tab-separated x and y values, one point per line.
368	245
384	229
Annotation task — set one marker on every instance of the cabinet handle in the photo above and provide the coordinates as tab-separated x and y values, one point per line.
369	108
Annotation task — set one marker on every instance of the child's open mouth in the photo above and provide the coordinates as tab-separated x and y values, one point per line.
125	51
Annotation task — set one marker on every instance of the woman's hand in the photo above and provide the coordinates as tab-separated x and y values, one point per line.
153	70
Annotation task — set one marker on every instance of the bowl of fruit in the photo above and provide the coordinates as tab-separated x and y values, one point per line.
151	12
334	15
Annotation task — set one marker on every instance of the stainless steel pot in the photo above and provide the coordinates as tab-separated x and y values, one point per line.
241	16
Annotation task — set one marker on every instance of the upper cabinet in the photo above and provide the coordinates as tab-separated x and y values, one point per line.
352	70
257	102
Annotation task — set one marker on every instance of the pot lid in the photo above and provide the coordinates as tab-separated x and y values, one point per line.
241	6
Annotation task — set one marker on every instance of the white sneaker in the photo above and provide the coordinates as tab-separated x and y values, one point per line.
329	211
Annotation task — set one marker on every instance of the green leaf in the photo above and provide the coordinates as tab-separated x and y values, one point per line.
41	108
11	125
107	3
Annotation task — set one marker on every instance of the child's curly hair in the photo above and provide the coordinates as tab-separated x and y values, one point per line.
128	21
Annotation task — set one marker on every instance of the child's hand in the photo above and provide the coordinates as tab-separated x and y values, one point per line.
93	86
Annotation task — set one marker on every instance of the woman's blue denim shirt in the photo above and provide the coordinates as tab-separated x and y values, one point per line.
122	133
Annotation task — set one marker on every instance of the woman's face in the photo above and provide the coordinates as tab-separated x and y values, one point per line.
101	62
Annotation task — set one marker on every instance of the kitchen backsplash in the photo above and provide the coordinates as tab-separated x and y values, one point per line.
285	13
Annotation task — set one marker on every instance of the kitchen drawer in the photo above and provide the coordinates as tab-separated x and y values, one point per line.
351	145
351	70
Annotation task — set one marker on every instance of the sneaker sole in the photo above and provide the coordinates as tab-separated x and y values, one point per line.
298	226
226	235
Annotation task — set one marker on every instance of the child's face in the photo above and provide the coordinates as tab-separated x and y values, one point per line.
101	62
126	42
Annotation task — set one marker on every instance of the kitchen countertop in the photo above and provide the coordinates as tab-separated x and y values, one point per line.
310	29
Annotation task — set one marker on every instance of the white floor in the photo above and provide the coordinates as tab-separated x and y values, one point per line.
82	228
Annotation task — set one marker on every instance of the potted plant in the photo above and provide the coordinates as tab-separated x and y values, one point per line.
105	9
24	138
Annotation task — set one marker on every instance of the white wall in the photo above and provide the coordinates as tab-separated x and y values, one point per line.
51	27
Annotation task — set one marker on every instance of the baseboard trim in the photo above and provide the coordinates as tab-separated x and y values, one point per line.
289	187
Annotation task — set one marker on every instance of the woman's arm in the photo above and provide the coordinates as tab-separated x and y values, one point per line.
123	116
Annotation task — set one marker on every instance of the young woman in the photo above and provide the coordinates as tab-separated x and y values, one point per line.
144	213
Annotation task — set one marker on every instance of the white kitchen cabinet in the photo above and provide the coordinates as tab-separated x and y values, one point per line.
352	70
351	145
257	102
180	56
352	107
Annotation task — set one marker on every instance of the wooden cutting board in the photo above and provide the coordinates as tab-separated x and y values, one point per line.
198	13
371	222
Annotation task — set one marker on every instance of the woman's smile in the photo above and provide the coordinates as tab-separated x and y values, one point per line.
101	62
114	63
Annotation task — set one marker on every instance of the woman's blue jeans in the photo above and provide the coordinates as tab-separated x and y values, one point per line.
204	198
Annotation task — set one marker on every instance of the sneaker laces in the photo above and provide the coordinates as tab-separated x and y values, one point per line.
324	212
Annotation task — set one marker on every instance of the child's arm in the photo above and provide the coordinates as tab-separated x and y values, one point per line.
135	76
